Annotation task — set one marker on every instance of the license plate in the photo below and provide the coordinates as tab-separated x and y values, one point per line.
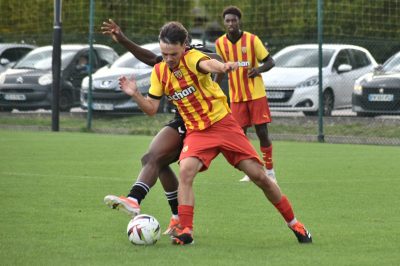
15	97
380	97
103	106
275	94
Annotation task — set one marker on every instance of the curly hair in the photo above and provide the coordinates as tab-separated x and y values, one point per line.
234	10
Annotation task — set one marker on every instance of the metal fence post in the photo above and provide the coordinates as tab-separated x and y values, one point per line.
56	67
89	106
321	137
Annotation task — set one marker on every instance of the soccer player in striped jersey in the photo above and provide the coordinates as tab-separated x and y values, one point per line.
249	103
184	77
161	153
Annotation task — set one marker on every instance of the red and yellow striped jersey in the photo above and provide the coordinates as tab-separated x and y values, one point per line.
199	100
247	51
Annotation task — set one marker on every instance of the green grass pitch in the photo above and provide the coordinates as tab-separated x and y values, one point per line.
52	187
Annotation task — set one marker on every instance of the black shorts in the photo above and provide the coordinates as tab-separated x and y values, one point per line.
178	125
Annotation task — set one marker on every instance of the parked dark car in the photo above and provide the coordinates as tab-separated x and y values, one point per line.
11	53
378	93
28	84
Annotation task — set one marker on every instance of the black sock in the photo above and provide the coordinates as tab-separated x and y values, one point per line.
139	191
172	198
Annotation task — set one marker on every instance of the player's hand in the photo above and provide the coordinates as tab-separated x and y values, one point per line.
230	66
253	72
128	86
111	28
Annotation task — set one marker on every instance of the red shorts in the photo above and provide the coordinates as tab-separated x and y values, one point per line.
225	136
255	112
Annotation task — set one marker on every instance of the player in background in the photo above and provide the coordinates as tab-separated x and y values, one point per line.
163	150
249	103
184	77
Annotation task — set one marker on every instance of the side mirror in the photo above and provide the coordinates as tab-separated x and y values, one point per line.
344	68
378	69
4	61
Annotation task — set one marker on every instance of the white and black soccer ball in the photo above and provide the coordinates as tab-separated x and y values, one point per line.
144	229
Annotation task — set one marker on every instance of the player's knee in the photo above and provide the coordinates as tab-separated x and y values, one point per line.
147	158
186	176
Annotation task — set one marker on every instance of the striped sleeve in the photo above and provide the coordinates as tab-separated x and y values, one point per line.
156	88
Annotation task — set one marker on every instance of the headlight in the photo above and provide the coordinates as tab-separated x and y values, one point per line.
2	78
45	79
357	89
85	83
308	82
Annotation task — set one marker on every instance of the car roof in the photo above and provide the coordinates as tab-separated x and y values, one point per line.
15	45
326	46
151	46
72	47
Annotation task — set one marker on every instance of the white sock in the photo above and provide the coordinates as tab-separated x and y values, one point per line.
133	199
292	222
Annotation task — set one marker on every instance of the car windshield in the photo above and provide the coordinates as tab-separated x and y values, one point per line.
43	59
304	57
393	64
129	61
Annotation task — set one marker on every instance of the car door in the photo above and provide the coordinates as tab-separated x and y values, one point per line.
343	80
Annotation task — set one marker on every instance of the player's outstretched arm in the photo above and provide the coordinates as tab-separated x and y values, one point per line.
146	104
215	66
146	56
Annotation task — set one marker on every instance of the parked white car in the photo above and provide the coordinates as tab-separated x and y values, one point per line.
292	85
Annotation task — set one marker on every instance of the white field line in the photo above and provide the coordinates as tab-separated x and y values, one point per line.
63	176
203	180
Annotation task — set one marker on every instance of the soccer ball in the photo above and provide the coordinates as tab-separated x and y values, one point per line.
144	229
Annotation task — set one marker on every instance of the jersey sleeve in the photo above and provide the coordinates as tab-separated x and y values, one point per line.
261	51
156	88
217	49
194	59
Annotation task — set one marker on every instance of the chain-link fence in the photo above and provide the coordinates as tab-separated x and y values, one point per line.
357	108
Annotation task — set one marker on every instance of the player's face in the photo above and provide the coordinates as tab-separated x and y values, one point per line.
231	23
172	53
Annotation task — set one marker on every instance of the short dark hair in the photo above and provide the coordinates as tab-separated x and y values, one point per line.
234	10
173	33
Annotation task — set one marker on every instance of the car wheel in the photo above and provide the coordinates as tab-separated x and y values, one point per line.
366	115
328	105
65	101
6	109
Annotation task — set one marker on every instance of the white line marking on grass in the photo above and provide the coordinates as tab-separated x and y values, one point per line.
64	176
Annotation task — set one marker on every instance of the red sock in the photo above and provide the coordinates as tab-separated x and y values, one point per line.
284	207
267	156
185	213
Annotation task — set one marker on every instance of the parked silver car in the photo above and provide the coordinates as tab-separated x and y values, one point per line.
106	93
292	85
378	92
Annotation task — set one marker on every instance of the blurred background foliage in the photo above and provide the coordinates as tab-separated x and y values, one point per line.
372	24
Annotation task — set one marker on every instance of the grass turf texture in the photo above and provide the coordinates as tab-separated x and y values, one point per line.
52	213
